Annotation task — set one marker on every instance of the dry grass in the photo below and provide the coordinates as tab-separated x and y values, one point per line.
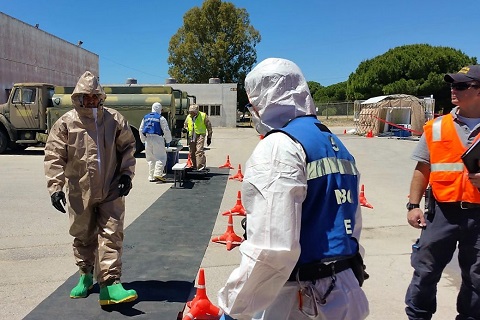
337	121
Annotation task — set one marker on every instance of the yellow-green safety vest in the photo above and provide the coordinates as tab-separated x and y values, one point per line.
200	127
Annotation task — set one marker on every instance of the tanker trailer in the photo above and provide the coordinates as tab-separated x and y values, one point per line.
133	102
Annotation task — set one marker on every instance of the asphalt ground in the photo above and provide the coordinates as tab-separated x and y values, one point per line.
161	253
37	266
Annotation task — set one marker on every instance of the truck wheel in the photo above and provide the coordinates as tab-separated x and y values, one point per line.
3	141
18	147
139	147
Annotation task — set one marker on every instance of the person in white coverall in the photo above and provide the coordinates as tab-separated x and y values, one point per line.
90	150
156	136
301	257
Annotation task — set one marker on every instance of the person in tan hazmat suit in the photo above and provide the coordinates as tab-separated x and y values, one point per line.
91	150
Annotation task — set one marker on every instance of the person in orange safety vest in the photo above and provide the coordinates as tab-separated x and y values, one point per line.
452	209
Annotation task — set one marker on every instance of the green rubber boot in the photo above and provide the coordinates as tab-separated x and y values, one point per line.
84	284
115	293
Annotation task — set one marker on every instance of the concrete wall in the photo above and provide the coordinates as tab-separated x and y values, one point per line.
214	94
29	54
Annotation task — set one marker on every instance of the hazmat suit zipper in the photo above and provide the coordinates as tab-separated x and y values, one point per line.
95	117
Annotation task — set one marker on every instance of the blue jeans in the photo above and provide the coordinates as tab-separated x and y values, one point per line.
449	226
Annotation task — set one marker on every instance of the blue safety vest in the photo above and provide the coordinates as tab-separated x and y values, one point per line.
151	124
328	212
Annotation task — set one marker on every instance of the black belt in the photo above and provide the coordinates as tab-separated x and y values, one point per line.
468	205
315	271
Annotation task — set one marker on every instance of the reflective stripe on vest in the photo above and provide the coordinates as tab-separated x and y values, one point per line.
448	175
325	166
437	129
447	167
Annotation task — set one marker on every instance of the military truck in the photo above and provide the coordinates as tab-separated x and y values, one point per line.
24	115
182	102
32	109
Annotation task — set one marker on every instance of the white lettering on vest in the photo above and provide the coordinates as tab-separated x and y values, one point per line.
343	196
334	144
348	226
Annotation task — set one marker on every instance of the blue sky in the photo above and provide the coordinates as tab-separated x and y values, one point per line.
327	38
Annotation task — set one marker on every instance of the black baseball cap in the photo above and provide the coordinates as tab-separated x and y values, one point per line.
465	74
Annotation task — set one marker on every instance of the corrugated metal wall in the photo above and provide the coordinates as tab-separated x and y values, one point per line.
28	54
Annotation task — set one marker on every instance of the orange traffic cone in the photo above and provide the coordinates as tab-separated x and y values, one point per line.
369	134
238	208
227	164
238	176
345	131
363	200
189	162
230	238
200	306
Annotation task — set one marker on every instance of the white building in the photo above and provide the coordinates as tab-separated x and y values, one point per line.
217	100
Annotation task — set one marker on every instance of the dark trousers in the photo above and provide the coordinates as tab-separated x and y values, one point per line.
449	226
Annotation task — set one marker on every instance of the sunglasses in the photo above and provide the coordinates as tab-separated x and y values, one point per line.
461	86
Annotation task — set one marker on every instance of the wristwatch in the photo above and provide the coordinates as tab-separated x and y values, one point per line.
411	206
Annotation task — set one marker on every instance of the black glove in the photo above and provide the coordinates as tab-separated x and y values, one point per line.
209	140
244	226
57	199
124	185
358	268
184	130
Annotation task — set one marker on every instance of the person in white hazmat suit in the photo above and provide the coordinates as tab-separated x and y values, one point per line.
300	259
156	136
90	150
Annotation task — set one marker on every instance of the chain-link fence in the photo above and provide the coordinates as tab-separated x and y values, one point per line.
335	109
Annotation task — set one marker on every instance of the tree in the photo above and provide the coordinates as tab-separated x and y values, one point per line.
215	41
313	87
416	69
332	93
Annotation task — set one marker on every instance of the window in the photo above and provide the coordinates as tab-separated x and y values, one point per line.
215	110
16	95
29	95
51	92
24	95
210	110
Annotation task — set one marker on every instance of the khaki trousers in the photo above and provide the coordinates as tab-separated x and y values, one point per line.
197	152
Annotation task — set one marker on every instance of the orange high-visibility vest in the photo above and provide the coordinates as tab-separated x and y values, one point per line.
448	175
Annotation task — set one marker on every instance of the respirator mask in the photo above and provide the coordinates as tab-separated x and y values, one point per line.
260	126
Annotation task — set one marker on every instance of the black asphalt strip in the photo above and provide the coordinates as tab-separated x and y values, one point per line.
163	249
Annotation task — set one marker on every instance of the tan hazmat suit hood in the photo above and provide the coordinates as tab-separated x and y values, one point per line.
87	84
